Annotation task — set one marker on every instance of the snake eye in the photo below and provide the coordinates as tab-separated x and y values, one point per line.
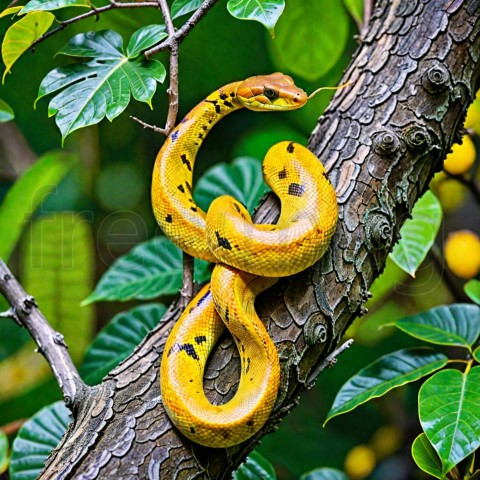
270	93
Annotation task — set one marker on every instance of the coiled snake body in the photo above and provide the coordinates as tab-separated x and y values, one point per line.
249	258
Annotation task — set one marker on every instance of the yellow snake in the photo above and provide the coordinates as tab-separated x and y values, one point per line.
249	257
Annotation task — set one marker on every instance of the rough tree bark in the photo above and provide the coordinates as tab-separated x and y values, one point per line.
381	140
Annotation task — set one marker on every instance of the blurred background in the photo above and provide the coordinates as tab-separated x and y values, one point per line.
101	209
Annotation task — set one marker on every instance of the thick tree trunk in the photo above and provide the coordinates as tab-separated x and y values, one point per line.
381	140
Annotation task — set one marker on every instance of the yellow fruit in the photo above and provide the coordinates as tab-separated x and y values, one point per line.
359	462
462	253
449	191
462	157
386	441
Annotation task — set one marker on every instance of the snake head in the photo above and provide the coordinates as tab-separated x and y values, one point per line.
270	92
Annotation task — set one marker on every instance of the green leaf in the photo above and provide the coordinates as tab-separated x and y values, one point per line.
323	26
256	467
449	411
324	474
26	195
20	36
149	270
101	87
118	340
426	457
390	371
36	439
457	324
242	179
267	12
145	38
355	8
10	11
6	112
418	234
47	5
472	289
182	7
476	354
58	269
3	452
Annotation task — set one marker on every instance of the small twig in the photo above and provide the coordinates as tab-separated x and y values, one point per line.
50	343
328	361
186	292
94	12
11	314
147	125
184	31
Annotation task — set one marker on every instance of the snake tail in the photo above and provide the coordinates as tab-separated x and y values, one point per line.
187	349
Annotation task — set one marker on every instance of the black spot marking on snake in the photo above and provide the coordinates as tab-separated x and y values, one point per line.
200	339
249	423
227	318
223	242
191	380
227	104
282	173
175	135
296	190
243	347
186	162
290	148
188	348
180	187
192	429
204	127
247	368
188	186
203	298
200	135
326	176
223	96
215	103
237	207
193	209
168	218
232	94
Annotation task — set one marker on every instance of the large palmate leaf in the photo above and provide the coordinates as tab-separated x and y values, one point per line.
48	5
418	234
299	26
457	324
242	179
324	474
118	340
20	36
426	457
102	86
182	7
390	371
58	268
24	197
149	270
449	411
6	112
256	467
267	12
36	439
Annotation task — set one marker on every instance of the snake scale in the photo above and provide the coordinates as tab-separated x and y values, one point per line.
249	258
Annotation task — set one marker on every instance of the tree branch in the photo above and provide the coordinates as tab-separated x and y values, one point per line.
94	12
50	343
184	31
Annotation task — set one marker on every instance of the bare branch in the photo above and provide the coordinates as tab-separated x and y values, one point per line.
186	292
50	343
184	31
94	12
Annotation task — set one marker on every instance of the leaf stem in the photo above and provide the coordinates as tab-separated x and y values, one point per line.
50	343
